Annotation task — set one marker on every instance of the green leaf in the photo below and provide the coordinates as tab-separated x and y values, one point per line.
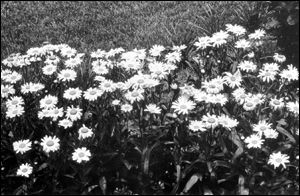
103	184
286	133
191	182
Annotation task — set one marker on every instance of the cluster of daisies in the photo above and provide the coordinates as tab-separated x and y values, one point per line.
139	72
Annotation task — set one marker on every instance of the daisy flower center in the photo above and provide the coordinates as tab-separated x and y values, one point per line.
22	145
49	69
268	74
52	58
13	77
56	111
81	154
276	102
107	85
211	120
84	130
50	143
24	170
183	107
73	111
232	78
249	104
254	142
140	81
212	86
158	72
5	90
135	94
72	92
48	101
67	75
15	112
14	102
263	128
278	160
243	96
93	92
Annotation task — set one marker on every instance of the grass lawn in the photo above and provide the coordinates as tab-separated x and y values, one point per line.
109	24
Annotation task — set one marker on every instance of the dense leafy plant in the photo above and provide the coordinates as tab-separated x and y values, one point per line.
217	117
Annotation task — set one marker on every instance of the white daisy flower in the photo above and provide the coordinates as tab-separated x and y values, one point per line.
271	134
214	86
196	125
50	144
92	94
267	76
203	42
49	69
254	141
25	170
126	108
219	38
72	93
279	58
27	88
247	66
242	44
218	99
290	74
84	132
100	69
22	146
277	103
37	87
55	113
107	86
73	62
7	90
116	102
233	80
261	127
44	113
98	54
200	96
272	67
14	102
277	159
249	105
227	122
183	105
258	34
257	98
54	60
14	111
13	77
73	113
81	154
211	121
158	70
293	107
68	52
135	95
67	75
235	29
66	123
156	50
153	109
173	57
48	102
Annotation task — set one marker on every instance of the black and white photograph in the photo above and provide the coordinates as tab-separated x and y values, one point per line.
149	98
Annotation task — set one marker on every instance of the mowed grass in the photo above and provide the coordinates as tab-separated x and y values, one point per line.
88	26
